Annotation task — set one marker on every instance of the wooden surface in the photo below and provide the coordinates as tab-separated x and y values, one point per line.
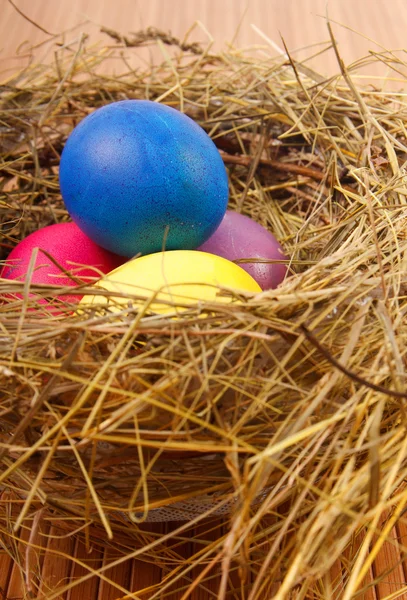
301	23
49	571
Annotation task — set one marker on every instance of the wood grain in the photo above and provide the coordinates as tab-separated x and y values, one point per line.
204	534
26	568
390	563
120	574
146	575
349	556
379	24
90	587
5	558
16	577
56	570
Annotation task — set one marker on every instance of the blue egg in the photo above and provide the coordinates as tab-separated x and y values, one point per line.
139	177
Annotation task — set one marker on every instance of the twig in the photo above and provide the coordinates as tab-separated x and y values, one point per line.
152	33
29	551
246	161
373	386
20	12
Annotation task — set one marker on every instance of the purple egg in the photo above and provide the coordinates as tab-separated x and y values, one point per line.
239	237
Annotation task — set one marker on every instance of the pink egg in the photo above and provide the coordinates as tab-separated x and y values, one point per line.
239	237
71	249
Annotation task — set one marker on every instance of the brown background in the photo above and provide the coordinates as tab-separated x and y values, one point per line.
301	22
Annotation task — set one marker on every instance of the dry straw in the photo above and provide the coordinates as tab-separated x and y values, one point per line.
285	412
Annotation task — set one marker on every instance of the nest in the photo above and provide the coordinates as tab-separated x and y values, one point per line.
284	413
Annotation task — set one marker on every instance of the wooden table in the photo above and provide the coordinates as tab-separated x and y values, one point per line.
52	572
302	23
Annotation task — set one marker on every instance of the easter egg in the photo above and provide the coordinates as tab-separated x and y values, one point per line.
70	248
140	177
239	237
177	277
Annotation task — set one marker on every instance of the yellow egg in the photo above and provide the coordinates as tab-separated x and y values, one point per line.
171	281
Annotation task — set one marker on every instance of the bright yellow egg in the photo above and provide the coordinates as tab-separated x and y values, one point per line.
173	280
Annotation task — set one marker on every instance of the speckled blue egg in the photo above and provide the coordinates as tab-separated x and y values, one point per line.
137	176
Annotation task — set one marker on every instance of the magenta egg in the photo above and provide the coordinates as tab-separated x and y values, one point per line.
70	248
239	237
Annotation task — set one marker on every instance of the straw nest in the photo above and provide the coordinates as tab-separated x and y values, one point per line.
285	412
